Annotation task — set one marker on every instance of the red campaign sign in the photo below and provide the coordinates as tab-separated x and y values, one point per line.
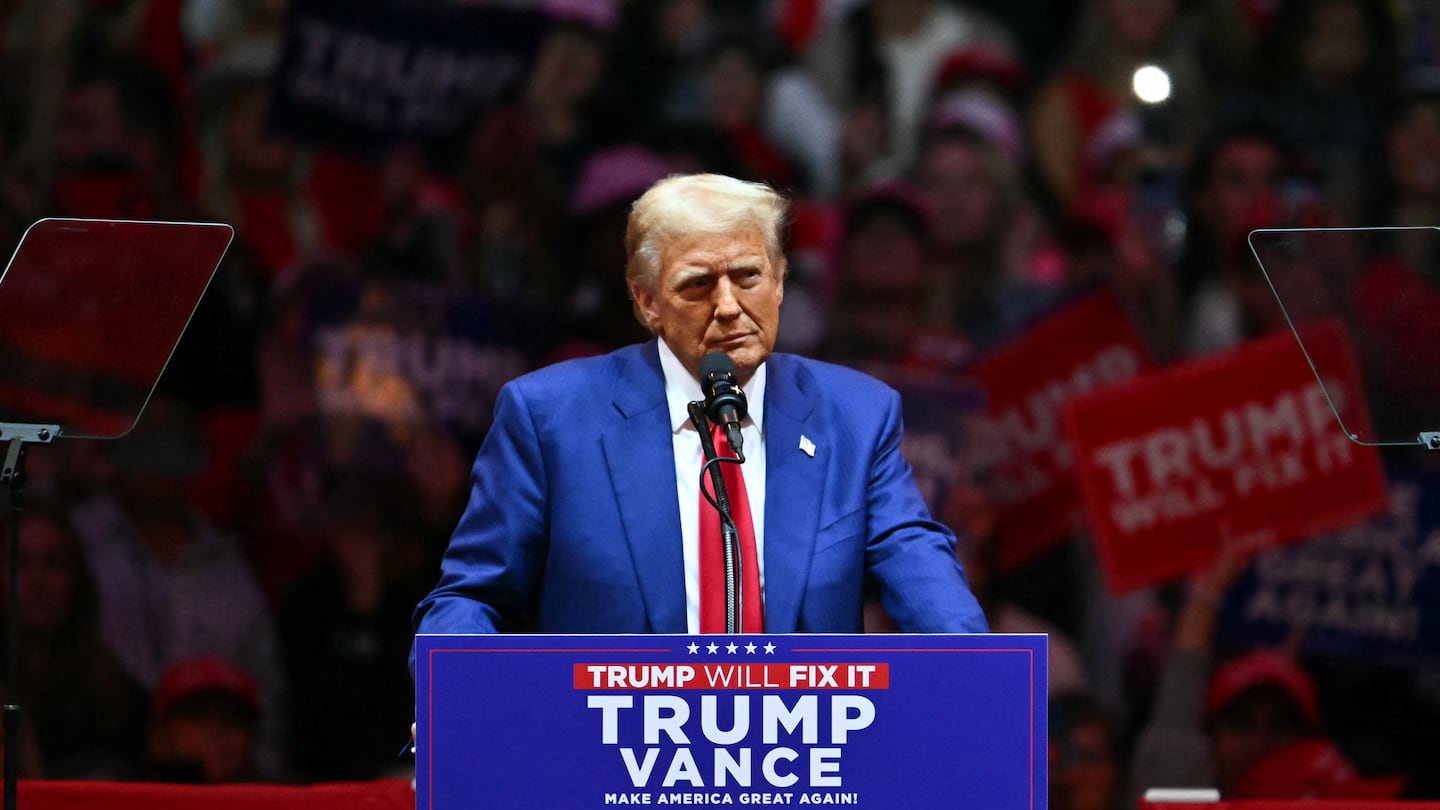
1246	438
1084	346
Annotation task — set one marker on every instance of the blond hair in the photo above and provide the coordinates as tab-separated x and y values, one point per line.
699	203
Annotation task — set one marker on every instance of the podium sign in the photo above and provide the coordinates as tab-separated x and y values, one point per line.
871	721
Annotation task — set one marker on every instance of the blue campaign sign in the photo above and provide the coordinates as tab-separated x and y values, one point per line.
1368	592
872	721
361	76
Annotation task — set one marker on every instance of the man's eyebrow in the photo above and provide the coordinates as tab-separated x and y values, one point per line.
685	275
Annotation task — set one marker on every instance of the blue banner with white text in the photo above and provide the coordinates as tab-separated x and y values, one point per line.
360	76
886	722
1368	592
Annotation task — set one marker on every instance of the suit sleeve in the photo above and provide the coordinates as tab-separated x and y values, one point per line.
489	572
910	556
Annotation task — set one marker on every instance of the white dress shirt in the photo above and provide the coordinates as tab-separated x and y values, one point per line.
680	390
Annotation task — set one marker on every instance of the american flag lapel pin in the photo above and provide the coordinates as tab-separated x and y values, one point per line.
807	447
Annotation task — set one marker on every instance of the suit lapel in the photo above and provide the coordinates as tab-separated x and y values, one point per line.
794	484
641	459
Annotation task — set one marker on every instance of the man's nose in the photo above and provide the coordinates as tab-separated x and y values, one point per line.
726	304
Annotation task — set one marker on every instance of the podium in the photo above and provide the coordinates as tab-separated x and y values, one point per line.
872	721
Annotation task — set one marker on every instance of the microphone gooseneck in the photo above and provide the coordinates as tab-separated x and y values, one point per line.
725	403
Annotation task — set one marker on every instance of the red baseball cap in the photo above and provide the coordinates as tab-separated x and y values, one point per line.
1239	675
205	675
982	61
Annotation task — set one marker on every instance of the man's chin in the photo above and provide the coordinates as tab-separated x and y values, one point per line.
747	358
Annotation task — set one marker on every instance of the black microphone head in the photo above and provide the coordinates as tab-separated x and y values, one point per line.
716	363
717	380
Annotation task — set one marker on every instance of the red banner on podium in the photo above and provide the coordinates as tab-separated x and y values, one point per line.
1247	439
1083	347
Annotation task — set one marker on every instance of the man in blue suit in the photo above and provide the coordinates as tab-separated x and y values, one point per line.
583	511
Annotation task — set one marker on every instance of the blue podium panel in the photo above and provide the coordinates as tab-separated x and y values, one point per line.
885	722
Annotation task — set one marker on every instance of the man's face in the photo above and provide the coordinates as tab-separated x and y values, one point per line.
715	292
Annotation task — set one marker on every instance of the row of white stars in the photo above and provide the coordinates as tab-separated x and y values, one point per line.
731	648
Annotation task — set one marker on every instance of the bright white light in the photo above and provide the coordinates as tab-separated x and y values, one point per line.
1151	84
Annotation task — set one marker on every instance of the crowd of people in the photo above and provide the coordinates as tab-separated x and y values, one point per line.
225	593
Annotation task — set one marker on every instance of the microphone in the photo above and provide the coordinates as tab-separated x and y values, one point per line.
724	401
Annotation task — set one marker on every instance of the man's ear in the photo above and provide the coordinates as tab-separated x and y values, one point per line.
644	298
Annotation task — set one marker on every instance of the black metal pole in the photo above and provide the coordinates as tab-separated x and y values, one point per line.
14	475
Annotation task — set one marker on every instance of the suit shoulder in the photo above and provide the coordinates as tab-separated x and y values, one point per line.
569	378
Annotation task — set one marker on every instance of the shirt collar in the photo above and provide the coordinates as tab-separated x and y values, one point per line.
681	389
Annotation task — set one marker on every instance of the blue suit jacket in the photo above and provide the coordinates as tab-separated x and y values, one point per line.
573	525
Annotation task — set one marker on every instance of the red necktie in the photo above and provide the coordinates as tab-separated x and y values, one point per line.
712	551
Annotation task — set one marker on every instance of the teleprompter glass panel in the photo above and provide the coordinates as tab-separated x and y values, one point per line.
90	312
1383	286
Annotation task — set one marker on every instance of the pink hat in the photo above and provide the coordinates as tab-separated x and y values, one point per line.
616	176
985	115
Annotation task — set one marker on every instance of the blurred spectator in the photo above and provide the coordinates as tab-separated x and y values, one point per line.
37	46
203	724
890	50
735	81
1256	703
881	279
986	234
1208	727
779	127
658	58
282	469
255	177
347	634
417	239
1320	63
1395	338
609	182
1236	181
805	126
525	159
1095	83
87	714
1086	769
1116	238
172	586
1406	190
116	143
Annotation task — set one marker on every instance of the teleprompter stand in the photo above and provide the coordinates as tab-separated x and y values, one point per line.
90	312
